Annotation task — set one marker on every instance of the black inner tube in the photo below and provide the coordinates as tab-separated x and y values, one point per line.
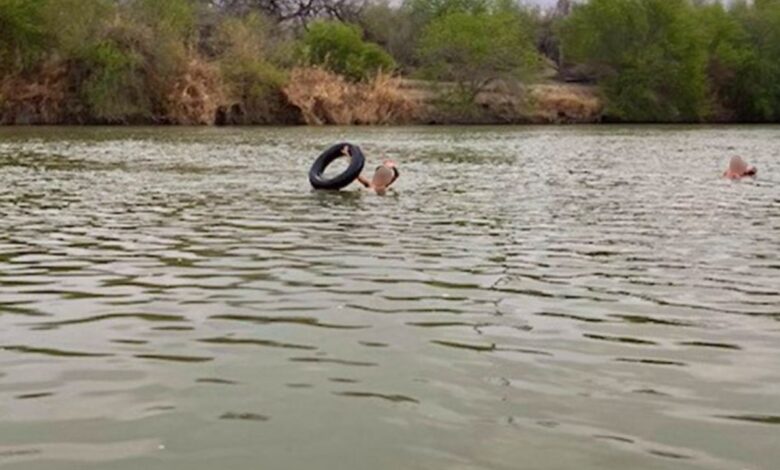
317	178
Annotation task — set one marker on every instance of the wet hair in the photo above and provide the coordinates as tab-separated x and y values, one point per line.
396	173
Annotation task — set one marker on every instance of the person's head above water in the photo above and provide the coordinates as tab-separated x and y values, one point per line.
739	168
384	175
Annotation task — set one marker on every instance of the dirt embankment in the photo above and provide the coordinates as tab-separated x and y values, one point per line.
540	103
312	96
324	98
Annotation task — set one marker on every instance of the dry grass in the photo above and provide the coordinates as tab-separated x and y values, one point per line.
326	98
42	100
565	103
505	103
198	96
195	96
51	97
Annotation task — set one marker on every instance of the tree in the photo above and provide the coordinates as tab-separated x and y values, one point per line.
731	56
474	49
548	24
300	11
754	91
649	55
244	50
394	29
74	24
429	10
341	48
21	35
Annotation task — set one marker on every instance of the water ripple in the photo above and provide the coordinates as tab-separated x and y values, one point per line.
599	291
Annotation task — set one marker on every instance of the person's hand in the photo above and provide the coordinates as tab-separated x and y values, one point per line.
345	151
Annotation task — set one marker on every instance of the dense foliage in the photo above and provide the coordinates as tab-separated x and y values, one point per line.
649	56
341	48
680	60
185	60
21	32
473	49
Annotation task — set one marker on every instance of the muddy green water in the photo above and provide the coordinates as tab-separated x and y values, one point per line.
527	298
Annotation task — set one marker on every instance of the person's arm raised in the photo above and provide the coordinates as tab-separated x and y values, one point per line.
363	181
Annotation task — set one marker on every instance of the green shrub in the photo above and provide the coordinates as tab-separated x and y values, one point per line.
474	49
75	25
340	48
398	30
243	47
650	57
169	18
22	37
164	31
429	10
114	90
395	29
753	54
252	81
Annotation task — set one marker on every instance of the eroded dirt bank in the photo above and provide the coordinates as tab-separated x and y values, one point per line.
311	96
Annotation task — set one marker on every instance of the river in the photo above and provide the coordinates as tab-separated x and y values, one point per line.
526	298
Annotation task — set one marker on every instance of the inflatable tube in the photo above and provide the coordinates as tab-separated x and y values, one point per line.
318	180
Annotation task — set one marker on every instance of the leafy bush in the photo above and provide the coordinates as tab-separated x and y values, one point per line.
252	82
75	25
165	31
170	18
114	90
475	49
178	60
751	53
22	37
394	29
251	78
340	48
649	55
429	10
731	57
399	30
128	56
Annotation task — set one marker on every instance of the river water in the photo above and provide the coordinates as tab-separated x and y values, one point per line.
527	298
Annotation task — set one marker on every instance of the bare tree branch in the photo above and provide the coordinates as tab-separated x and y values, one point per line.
299	11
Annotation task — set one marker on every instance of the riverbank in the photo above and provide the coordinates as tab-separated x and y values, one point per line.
312	96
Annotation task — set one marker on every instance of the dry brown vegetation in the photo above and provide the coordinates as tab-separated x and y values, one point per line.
174	62
50	96
195	96
503	103
311	95
565	103
326	98
41	100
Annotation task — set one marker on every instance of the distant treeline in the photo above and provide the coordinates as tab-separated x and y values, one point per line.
262	61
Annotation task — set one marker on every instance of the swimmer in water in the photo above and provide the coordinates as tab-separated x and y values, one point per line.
738	169
384	175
